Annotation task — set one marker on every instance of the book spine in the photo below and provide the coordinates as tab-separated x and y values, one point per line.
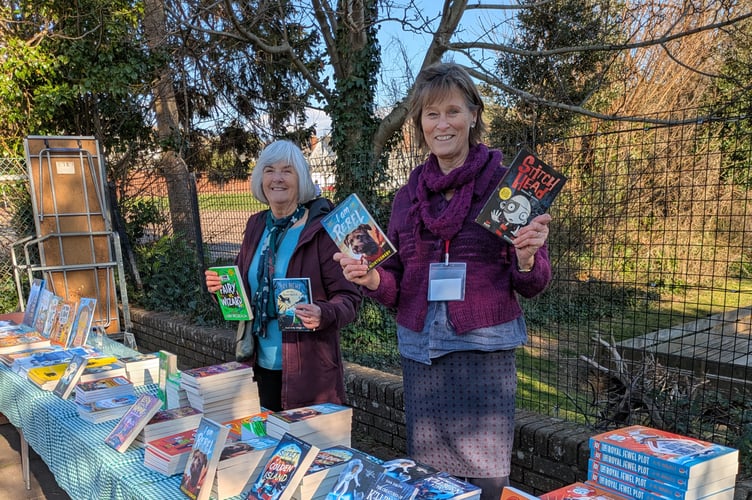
643	470
639	458
621	488
637	480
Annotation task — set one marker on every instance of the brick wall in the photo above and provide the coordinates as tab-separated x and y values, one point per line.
548	452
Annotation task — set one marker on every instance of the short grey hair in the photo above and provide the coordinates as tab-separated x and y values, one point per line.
288	152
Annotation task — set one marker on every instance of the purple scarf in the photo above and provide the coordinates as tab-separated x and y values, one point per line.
462	179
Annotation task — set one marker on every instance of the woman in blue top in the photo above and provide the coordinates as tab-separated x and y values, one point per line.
293	368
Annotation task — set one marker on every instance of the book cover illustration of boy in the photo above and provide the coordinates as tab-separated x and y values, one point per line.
83	321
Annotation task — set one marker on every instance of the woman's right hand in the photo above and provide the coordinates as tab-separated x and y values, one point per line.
356	271
213	282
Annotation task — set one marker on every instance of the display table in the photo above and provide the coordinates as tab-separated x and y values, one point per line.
74	449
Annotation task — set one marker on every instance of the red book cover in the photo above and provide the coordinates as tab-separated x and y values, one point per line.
581	491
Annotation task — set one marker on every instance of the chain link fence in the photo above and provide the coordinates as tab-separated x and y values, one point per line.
647	319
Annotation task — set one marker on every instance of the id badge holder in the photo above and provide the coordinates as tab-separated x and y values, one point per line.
446	281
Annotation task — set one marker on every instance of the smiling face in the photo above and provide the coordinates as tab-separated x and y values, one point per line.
280	185
446	128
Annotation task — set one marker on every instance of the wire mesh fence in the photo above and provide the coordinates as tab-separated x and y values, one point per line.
647	319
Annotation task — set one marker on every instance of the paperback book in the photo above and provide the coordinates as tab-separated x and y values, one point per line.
106	388
582	491
388	487
168	366
62	326
662	450
35	289
232	298
323	472
104	410
290	292
134	420
512	493
357	477
43	308
53	308
171	421
526	191
208	443
239	462
324	425
70	377
169	455
22	342
356	233
84	319
283	471
607	475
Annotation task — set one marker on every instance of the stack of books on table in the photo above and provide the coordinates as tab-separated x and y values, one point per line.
239	462
356	477
248	427
323	473
112	394
651	464
22	364
575	490
169	422
444	485
175	395
142	369
46	377
105	410
283	471
323	425
169	455
9	358
21	341
222	392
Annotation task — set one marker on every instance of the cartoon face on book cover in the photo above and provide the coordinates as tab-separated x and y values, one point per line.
277	473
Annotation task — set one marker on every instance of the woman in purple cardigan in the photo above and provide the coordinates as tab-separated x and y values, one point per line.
458	324
293	368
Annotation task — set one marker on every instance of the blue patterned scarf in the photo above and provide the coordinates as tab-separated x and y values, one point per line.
263	300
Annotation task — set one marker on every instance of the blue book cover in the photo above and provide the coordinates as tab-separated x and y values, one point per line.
356	233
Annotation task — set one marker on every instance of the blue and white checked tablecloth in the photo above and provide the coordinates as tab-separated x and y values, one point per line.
74	449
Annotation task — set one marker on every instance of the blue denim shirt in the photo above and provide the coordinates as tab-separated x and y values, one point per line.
439	337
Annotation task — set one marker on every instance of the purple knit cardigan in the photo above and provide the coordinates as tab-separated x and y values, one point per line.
493	280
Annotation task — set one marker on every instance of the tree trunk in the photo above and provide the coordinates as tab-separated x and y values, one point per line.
171	164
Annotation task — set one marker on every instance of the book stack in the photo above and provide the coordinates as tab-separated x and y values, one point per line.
168	366
47	377
324	425
132	422
21	365
239	462
106	388
281	474
574	490
248	427
22	341
323	473
142	369
645	463
222	392
105	410
198	476
175	395
357	477
169	422
9	358
169	455
444	485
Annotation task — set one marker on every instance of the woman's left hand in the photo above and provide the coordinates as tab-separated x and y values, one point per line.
529	239
309	315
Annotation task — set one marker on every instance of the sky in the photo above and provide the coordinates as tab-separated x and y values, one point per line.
393	79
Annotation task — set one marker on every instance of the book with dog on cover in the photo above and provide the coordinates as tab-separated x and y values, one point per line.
527	190
356	233
208	442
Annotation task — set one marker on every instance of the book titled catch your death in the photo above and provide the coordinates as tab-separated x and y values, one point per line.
526	190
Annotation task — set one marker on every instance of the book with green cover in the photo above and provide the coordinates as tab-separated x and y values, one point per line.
232	297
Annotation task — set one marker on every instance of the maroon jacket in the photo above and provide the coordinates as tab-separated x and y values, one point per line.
312	368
